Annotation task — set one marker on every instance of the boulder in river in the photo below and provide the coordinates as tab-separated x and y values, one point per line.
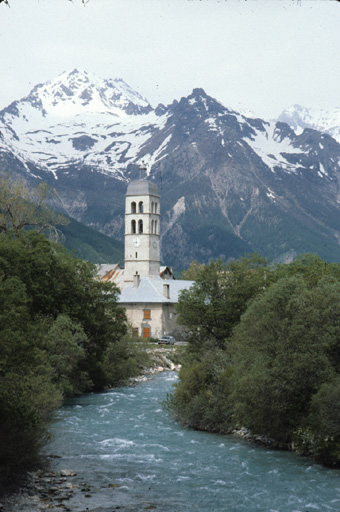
67	472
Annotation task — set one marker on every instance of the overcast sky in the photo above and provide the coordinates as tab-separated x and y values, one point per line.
260	55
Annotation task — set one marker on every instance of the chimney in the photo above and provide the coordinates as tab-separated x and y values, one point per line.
136	280
166	291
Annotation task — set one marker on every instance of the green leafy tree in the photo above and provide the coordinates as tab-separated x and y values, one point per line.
214	304
59	284
65	343
193	271
57	321
27	394
321	435
280	360
201	399
311	268
211	309
124	359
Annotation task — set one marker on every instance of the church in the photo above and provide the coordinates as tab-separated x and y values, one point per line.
149	292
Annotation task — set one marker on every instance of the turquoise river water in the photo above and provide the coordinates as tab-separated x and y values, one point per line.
133	456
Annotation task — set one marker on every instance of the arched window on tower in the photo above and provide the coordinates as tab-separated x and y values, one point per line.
152	206
152	226
140	226
156	205
156	228
133	207
141	207
133	226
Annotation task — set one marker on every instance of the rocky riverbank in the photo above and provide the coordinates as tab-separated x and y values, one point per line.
161	362
42	490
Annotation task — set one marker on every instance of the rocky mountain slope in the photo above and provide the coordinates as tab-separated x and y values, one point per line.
229	183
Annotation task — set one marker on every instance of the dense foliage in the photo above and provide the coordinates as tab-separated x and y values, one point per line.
61	333
264	353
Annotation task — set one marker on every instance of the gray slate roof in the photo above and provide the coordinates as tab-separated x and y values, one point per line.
142	188
150	290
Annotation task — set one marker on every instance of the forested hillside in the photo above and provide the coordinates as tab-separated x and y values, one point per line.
91	245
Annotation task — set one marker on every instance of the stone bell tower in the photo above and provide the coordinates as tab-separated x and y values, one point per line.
142	230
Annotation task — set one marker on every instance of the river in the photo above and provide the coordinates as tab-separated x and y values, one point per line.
130	455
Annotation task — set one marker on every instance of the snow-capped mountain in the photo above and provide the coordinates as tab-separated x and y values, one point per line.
299	118
230	183
74	118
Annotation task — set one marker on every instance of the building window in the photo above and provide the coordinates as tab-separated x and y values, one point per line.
152	205
156	205
135	332
147	314
152	226
146	332
141	207
133	226
170	315
136	255
133	207
155	227
140	226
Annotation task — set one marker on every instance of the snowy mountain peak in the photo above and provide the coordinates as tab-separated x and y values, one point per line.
299	118
77	92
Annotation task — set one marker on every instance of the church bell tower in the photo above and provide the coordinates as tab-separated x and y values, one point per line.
142	230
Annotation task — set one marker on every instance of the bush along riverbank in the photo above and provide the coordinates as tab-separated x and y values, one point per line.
263	356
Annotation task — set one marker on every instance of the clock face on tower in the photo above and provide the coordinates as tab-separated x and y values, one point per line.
136	242
154	243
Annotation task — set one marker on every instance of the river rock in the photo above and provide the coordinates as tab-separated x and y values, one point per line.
67	472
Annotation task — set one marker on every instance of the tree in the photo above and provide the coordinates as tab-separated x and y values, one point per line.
193	271
57	322
211	309
311	268
214	304
320	436
65	343
22	207
280	356
59	284
202	396
27	393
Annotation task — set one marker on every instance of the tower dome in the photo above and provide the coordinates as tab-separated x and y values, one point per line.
142	188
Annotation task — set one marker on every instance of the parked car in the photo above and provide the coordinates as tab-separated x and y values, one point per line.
166	340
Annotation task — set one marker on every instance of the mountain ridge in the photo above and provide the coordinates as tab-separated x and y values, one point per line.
230	184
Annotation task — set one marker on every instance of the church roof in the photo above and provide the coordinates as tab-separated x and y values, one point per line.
142	188
151	290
